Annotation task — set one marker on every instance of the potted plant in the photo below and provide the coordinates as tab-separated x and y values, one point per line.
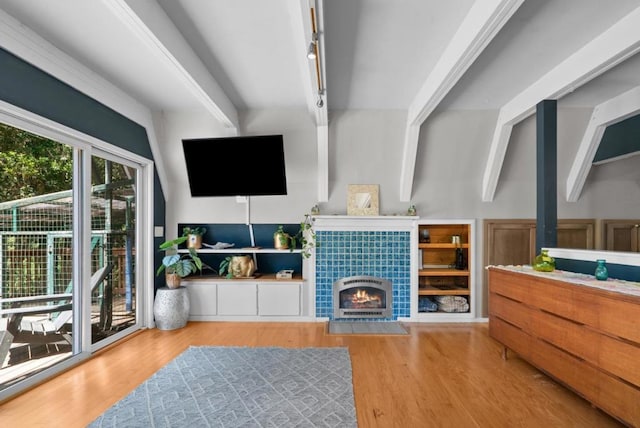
306	236
175	265
281	239
194	236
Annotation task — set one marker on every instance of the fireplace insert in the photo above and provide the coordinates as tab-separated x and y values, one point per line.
362	297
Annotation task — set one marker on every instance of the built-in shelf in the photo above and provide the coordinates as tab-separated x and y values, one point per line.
442	246
443	272
435	291
244	250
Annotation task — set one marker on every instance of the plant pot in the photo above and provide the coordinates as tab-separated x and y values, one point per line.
172	280
242	266
281	240
194	241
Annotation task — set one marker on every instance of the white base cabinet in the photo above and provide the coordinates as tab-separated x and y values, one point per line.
213	300
279	299
202	298
237	298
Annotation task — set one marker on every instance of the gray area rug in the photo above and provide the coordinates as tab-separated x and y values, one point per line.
366	327
242	387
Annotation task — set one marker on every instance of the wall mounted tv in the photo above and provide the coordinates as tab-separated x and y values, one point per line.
236	166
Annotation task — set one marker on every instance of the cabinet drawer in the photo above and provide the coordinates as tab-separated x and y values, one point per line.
279	299
237	298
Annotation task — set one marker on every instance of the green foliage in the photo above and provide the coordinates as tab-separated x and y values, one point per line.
306	236
31	165
283	237
198	230
223	269
181	264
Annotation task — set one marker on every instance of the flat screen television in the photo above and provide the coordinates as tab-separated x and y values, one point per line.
236	166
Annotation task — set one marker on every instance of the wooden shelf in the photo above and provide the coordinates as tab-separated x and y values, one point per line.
434	291
441	246
242	250
442	272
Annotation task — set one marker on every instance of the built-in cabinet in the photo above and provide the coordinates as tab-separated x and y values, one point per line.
261	297
621	235
216	299
445	274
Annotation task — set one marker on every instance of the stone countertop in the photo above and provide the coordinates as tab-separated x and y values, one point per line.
614	285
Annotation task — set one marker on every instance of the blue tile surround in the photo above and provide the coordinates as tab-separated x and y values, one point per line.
385	254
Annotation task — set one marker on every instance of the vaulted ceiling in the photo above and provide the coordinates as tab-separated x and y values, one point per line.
225	56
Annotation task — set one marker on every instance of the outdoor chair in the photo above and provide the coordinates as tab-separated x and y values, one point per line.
56	322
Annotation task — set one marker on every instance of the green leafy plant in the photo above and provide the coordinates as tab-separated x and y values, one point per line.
306	236
198	230
283	237
223	269
180	264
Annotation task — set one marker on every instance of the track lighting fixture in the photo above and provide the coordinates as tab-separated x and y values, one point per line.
311	52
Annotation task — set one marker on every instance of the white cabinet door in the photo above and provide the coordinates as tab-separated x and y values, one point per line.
202	298
237	298
279	298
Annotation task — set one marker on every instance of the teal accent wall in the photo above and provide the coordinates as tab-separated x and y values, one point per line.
32	89
619	139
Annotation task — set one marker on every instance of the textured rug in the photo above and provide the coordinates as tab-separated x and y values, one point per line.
366	327
242	387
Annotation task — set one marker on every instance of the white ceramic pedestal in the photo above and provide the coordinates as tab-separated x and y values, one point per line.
171	308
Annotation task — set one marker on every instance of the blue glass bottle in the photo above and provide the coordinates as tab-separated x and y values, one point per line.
601	270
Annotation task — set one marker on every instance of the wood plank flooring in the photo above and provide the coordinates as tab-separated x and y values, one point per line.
440	375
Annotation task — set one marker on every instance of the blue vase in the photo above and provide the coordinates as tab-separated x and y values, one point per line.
601	270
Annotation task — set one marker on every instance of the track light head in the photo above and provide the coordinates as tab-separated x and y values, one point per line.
320	102
311	52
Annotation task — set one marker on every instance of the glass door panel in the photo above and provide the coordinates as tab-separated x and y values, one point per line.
36	257
113	248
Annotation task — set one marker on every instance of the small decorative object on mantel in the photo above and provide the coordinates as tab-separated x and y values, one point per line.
544	262
315	210
362	199
412	210
601	272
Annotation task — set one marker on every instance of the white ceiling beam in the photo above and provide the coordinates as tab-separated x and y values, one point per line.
300	16
481	24
613	46
608	113
32	48
148	21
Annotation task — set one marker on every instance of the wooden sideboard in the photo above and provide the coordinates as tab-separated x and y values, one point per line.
584	336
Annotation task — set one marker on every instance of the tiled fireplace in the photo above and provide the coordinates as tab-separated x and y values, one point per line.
368	246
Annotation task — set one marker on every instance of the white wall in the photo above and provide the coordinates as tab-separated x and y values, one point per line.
300	157
366	147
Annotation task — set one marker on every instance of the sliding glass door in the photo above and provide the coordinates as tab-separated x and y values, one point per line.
113	247
69	229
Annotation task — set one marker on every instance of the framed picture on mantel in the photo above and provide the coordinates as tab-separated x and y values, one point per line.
362	199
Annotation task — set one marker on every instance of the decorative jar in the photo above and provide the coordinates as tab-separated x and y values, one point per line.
544	262
601	270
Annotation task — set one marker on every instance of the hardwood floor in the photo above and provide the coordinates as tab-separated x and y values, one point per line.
440	375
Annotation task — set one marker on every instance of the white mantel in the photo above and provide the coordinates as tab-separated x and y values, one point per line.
351	222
